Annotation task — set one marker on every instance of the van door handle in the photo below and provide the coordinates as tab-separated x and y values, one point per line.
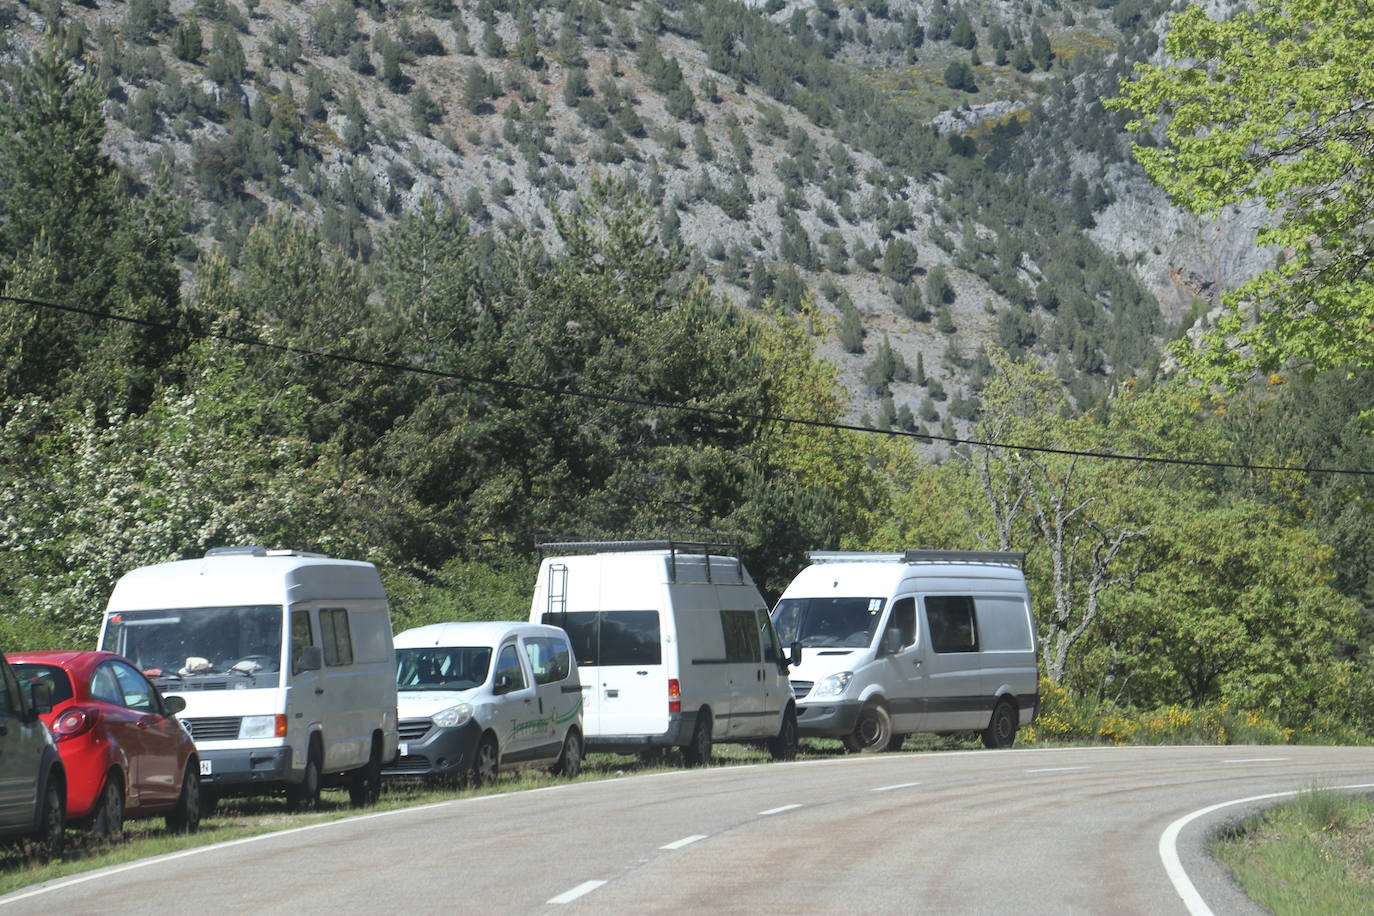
641	673
916	663
319	690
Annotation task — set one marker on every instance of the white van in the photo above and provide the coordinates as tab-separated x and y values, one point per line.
476	698
922	641
285	662
674	645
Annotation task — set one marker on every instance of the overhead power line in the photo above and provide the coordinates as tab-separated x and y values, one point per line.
602	397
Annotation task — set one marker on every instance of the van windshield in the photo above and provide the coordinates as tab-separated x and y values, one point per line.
442	667
202	648
828	623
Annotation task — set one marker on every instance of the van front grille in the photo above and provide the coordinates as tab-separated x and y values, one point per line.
413	729
802	688
217	728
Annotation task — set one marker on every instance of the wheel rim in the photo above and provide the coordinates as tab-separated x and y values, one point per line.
1004	725
572	756
486	763
869	730
190	788
111	810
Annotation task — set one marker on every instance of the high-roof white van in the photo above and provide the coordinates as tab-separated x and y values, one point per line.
921	641
674	645
284	659
478	697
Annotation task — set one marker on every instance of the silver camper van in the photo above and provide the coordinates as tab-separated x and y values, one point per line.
921	641
284	659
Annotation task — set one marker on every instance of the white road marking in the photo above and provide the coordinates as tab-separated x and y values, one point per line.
1173	865
685	841
900	785
777	810
1056	769
1256	759
586	887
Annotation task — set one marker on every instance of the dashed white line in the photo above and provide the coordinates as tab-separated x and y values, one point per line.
685	841
777	810
1055	769
1256	759
586	887
900	785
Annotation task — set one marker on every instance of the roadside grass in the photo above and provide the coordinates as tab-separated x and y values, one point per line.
1314	854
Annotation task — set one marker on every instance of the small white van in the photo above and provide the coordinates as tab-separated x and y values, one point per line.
475	698
285	662
674	645
922	641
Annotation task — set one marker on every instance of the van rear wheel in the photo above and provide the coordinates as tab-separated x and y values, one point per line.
698	753
365	783
1001	730
872	732
570	761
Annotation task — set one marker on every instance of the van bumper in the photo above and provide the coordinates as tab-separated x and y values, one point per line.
231	767
679	733
827	720
439	752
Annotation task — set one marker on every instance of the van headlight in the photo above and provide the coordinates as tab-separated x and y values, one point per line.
263	727
833	685
453	717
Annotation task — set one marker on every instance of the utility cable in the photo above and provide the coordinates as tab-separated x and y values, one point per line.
511	385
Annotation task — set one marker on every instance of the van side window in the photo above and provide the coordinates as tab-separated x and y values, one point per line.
549	659
767	638
612	637
903	620
302	635
508	666
741	636
952	625
338	641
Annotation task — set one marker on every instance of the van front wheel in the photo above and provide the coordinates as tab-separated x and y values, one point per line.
1001	730
872	731
784	746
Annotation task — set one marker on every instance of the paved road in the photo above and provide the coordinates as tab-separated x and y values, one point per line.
1034	831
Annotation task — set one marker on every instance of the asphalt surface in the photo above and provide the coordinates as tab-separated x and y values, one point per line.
1087	830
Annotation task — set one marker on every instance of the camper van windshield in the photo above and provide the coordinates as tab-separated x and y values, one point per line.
203	647
828	623
442	668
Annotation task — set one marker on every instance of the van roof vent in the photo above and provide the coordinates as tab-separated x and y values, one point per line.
253	550
1004	557
674	548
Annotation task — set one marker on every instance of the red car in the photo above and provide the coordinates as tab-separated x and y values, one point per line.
125	753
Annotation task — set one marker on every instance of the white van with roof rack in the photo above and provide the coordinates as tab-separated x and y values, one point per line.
922	641
674	646
284	659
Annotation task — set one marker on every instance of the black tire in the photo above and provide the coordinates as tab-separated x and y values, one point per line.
784	746
107	821
872	732
896	742
305	795
209	801
698	753
185	817
570	760
50	837
485	763
365	783
1001	730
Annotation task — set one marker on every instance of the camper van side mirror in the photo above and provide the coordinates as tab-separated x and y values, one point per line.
502	684
794	658
312	659
892	642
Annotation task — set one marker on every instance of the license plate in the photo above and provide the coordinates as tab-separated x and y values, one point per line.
405	749
205	767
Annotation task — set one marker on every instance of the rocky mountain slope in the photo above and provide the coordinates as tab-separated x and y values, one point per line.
937	175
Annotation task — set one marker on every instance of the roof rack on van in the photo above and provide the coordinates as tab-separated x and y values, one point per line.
253	550
673	546
918	556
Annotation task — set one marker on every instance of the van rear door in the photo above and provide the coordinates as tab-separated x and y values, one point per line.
620	660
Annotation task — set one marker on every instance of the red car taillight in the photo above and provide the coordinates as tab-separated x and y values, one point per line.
674	695
73	722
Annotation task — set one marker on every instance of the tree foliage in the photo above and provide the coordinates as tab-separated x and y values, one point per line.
1272	105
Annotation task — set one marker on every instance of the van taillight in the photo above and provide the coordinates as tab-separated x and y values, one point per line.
74	722
674	695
